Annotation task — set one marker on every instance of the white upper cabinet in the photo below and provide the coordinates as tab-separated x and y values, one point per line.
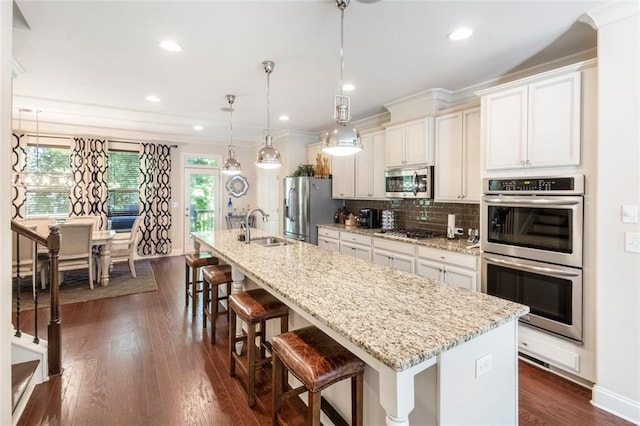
343	176
457	146
537	125
370	165
410	144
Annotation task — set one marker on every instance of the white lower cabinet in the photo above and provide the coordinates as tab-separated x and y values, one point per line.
457	269
355	245
394	254
329	239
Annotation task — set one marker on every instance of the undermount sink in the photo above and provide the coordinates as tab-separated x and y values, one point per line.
268	241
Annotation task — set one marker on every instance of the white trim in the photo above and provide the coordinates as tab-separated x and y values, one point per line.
616	404
609	13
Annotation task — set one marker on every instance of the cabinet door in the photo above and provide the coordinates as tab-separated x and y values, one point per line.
313	149
471	182
460	277
348	249
363	253
554	122
328	244
428	269
364	171
416	149
380	257
342	183
403	262
505	128
449	154
378	164
395	146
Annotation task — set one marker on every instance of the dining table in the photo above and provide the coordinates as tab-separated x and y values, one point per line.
102	240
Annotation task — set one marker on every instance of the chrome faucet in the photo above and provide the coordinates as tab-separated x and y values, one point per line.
265	218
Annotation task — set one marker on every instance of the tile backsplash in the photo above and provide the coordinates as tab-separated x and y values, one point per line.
423	214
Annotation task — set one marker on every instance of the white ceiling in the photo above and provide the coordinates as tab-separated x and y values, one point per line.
90	64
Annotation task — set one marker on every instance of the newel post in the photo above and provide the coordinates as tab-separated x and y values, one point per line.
54	340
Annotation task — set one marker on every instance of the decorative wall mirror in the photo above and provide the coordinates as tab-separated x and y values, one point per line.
237	186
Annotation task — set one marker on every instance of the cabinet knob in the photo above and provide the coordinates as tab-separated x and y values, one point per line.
522	162
462	196
458	196
528	162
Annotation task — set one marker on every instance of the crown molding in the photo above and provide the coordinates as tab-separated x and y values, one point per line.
610	12
373	123
418	105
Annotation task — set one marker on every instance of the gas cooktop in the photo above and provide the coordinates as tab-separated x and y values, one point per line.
411	233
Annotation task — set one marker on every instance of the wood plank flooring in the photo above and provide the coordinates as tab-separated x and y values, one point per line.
142	360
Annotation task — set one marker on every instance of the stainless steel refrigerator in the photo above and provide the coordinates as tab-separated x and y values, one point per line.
307	203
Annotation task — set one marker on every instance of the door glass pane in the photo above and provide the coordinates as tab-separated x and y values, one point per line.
202	197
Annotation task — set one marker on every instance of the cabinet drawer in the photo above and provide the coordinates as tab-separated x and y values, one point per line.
458	259
548	352
330	233
355	238
395	246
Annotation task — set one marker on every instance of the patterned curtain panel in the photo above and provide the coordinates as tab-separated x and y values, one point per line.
18	164
89	163
155	199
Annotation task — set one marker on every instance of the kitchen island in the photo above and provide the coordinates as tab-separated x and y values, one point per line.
399	324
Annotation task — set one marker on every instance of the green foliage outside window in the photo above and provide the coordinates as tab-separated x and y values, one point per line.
52	159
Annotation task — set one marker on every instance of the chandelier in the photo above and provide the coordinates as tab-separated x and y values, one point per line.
34	180
268	157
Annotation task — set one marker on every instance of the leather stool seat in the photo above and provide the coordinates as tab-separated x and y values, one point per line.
192	264
214	276
317	361
254	307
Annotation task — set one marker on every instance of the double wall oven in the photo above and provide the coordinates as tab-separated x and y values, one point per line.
532	248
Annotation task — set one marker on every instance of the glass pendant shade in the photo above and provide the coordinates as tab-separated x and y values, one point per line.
34	181
342	140
268	157
231	165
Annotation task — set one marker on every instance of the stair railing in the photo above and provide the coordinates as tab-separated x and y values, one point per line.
52	242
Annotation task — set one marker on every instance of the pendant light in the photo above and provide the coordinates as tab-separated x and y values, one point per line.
35	180
268	157
342	139
231	165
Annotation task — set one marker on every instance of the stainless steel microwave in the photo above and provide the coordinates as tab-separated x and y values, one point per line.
409	183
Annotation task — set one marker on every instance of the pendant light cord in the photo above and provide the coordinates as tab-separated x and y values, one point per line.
268	102
37	141
231	124
341	50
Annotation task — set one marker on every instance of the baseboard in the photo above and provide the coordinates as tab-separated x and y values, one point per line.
616	404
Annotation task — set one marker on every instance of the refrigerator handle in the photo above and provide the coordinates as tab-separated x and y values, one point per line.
292	203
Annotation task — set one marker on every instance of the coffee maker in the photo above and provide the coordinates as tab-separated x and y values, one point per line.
369	218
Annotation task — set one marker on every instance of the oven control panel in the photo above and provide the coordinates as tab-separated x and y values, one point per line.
549	185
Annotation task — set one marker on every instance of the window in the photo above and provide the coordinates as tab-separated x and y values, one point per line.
201	161
47	201
122	188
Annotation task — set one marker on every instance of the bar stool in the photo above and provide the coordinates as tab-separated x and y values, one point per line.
214	276
318	362
193	263
254	307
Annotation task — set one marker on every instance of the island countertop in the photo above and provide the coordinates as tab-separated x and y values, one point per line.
400	319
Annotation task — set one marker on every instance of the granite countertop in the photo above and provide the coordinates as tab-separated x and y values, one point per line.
398	318
457	245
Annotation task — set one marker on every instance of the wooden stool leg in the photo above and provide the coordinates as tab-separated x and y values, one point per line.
357	408
214	309
284	324
186	285
194	290
251	356
313	409
232	342
277	381
263	338
206	296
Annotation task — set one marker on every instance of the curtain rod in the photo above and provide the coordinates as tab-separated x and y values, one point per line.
110	140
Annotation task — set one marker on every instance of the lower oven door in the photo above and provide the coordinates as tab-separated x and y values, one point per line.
553	293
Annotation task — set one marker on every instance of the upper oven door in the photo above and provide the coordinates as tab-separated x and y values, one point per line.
409	183
547	229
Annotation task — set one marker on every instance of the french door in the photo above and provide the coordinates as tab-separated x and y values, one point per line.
202	202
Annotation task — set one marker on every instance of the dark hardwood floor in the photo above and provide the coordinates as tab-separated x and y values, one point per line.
141	360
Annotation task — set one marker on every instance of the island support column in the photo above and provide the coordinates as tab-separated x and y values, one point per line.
397	392
237	286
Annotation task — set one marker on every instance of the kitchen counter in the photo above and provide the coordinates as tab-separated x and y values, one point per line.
443	243
398	323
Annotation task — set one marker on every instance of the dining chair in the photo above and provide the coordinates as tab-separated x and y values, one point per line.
41	224
26	256
75	248
95	220
123	250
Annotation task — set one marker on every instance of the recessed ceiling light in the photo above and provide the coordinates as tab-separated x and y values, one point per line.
198	127
171	46
460	34
348	87
152	98
284	118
